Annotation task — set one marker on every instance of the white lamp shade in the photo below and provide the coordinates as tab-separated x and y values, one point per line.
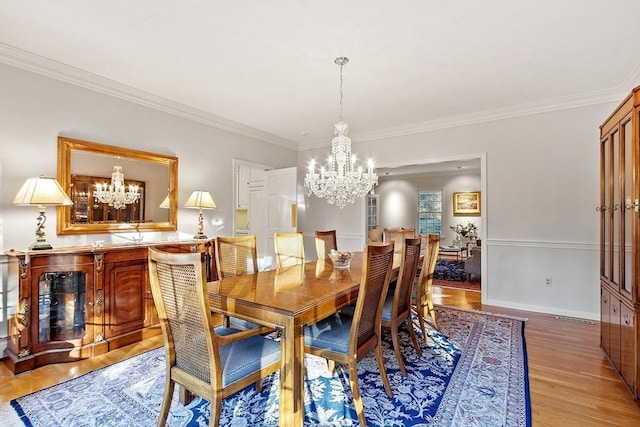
200	199
41	191
165	203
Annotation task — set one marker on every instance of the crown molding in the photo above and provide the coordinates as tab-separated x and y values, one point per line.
41	65
546	106
631	81
47	67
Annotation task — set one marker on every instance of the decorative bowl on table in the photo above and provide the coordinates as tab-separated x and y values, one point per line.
340	260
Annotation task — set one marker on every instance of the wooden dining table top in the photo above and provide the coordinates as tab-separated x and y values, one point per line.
292	290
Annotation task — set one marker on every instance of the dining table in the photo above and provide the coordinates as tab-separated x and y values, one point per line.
288	299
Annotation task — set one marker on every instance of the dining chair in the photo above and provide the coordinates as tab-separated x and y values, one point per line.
375	235
289	249
346	339
397	236
211	363
397	305
423	292
237	256
325	241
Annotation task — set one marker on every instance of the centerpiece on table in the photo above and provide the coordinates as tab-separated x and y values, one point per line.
340	260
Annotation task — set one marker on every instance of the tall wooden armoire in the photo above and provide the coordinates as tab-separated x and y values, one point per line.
620	238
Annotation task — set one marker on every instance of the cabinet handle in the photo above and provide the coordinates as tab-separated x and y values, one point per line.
628	205
602	208
616	207
99	302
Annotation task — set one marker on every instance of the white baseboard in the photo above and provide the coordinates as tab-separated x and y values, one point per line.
543	309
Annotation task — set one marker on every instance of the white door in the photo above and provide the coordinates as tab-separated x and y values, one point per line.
282	205
258	222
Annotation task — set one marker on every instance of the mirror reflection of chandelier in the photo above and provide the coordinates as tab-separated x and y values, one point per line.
341	182
116	194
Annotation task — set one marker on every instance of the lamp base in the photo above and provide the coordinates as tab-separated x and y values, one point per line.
200	236
37	246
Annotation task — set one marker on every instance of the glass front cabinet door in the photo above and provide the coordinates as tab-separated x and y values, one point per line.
64	291
54	315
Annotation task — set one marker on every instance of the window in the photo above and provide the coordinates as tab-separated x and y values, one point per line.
372	211
429	211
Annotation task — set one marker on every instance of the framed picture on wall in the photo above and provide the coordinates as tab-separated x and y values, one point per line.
466	203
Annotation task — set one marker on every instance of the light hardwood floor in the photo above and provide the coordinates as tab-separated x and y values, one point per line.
571	381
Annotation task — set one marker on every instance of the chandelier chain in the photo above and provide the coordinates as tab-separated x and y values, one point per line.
341	93
341	181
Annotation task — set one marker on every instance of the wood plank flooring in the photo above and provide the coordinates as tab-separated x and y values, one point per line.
571	381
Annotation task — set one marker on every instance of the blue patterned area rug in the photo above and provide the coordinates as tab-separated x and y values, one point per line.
472	373
450	269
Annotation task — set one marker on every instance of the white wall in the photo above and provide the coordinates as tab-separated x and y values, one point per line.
542	187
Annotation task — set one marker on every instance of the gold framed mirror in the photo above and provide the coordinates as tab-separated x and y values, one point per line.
86	167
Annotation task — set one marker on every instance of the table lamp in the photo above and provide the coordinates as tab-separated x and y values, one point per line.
165	203
200	200
41	191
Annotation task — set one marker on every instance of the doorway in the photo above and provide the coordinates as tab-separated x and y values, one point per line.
430	174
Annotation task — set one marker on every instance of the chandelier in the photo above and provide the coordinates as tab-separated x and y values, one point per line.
341	181
116	194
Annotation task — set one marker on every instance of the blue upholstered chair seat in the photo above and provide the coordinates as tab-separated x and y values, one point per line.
245	324
245	357
386	309
330	334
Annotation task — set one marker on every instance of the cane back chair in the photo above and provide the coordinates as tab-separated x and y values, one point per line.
346	339
212	363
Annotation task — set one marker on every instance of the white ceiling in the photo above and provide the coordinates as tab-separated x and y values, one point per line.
267	66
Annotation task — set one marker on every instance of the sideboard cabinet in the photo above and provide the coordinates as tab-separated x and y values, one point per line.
620	239
78	302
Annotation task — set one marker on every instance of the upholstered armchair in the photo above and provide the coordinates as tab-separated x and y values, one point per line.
472	264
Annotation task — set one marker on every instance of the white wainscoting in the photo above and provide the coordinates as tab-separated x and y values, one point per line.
515	274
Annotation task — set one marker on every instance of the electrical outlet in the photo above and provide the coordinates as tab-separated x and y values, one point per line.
547	282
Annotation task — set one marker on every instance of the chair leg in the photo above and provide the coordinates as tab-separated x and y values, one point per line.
169	386
382	369
418	310
396	348
216	407
414	336
259	386
331	366
432	312
355	391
